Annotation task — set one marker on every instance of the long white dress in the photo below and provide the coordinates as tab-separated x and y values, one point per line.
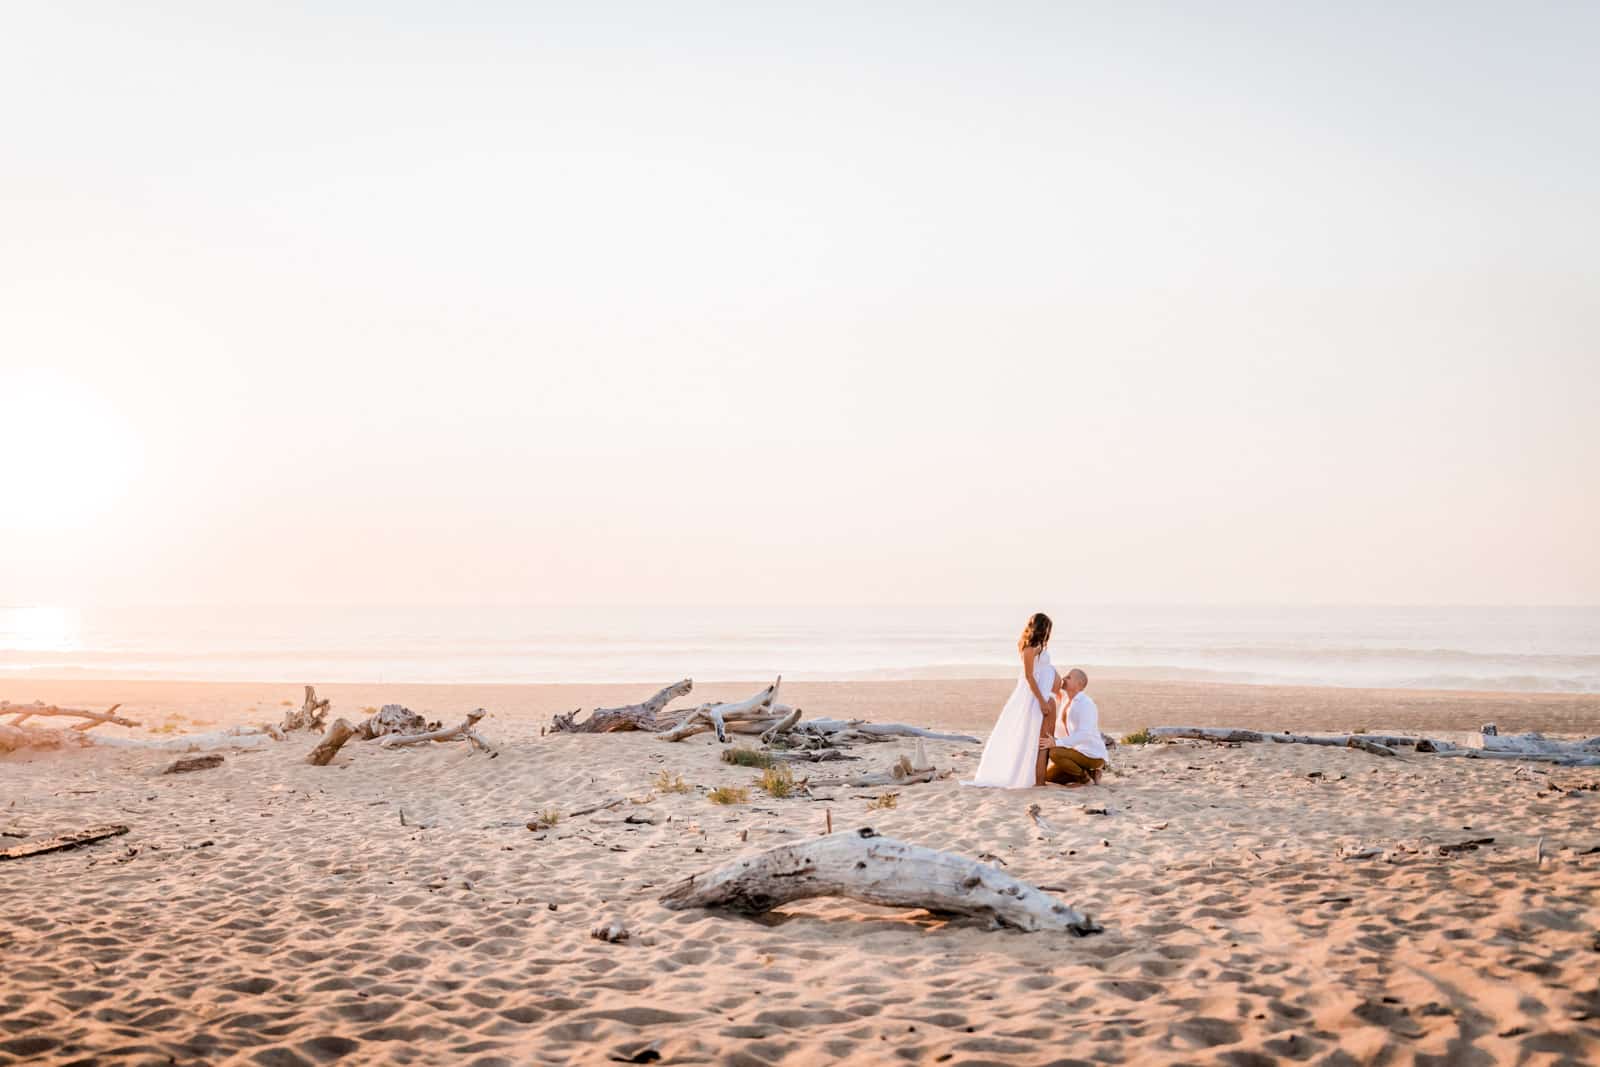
1011	755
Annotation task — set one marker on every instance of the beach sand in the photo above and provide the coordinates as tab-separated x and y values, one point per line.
271	912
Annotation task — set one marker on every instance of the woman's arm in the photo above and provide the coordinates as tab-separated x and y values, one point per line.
1029	655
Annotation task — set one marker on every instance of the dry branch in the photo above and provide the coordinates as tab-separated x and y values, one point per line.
340	732
640	716
877	870
33	846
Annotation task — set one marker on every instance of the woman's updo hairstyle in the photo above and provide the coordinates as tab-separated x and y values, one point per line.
1036	634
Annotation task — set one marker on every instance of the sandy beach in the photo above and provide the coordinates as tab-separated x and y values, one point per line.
393	906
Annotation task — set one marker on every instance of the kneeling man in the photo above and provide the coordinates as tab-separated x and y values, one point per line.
1077	752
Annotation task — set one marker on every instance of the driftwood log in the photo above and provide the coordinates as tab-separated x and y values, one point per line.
332	741
33	846
193	763
309	715
640	716
877	870
1224	735
1485	745
463	731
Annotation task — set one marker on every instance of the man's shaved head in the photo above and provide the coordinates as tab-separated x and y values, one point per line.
1077	675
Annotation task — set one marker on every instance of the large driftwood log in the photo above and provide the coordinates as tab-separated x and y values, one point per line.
309	715
463	731
1369	746
1224	735
877	870
1535	744
1526	757
332	741
640	716
35	845
717	716
24	712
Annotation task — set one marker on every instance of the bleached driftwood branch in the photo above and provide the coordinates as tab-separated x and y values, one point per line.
640	716
463	731
24	712
782	726
876	731
309	715
877	870
717	716
1531	747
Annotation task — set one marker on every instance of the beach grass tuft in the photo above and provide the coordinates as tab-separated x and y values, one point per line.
1138	737
884	802
746	757
729	794
667	782
778	782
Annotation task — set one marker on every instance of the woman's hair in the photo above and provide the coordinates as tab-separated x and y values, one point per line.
1036	633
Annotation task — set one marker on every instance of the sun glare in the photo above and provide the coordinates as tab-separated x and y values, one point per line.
68	453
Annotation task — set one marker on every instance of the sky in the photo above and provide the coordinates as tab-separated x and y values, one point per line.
825	303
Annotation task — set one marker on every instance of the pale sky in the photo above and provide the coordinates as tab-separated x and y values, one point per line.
849	303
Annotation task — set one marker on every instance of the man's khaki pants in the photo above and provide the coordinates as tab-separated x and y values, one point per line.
1069	766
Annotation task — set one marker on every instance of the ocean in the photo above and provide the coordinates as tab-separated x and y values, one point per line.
1526	649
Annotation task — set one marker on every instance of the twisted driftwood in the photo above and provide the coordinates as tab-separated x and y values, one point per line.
393	719
640	716
877	870
309	715
717	716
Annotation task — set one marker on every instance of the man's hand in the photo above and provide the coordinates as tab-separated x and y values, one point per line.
1046	744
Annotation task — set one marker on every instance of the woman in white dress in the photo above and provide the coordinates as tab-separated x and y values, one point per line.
1012	759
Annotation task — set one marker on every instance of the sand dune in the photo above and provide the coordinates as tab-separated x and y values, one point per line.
276	913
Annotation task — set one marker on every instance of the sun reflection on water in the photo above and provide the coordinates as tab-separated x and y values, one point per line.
41	628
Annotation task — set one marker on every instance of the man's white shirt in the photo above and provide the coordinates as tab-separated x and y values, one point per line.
1083	728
